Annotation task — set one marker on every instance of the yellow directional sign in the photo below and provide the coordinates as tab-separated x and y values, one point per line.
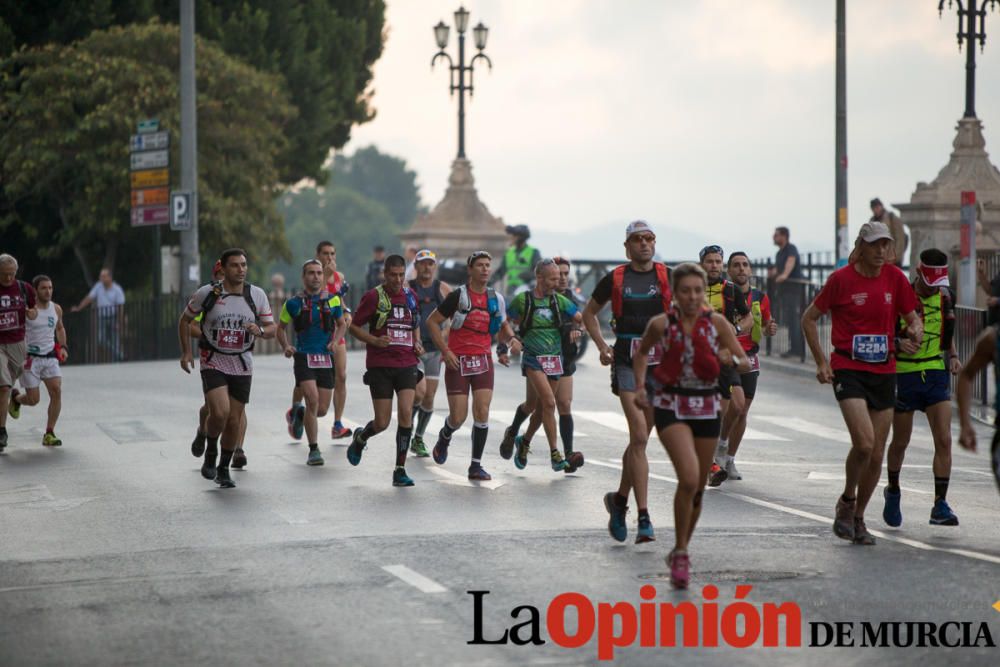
150	178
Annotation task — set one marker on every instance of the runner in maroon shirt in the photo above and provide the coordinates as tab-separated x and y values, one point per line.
865	299
17	304
386	321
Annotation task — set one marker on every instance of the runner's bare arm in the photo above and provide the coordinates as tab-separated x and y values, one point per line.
185	341
338	332
61	333
728	339
811	332
282	337
980	359
434	321
914	327
593	327
640	360
365	337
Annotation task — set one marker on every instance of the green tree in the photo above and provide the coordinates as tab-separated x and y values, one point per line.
384	178
324	49
66	113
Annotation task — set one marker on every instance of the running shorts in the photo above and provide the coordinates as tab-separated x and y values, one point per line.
700	428
384	382
238	385
920	389
39	369
459	385
323	377
878	389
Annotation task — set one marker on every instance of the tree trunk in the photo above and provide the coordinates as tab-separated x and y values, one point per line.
88	278
110	253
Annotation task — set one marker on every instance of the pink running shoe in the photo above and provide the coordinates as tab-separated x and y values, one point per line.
680	569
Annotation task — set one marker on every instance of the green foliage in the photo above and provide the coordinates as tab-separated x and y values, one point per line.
324	49
384	178
66	113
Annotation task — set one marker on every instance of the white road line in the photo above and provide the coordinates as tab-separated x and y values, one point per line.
839	477
618	466
614	420
460	480
754	434
808	427
415	579
826	521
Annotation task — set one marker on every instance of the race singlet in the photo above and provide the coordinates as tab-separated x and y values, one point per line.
400	336
8	320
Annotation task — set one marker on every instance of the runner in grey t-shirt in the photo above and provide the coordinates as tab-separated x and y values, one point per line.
235	313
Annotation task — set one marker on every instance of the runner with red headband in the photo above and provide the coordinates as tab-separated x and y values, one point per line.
923	382
865	300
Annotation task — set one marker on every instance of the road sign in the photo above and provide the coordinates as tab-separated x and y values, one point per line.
150	125
149	142
150	178
143	216
150	160
181	204
150	197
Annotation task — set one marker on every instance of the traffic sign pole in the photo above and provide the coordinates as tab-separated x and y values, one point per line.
190	256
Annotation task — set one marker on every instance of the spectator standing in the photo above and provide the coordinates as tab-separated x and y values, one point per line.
895	225
789	288
374	275
108	299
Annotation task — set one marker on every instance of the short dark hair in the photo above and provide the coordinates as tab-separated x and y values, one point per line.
323	244
232	252
378	248
929	257
392	261
738	253
39	279
310	262
783	231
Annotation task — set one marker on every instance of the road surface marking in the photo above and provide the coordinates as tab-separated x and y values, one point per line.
463	480
614	420
25	494
415	579
839	477
618	466
808	427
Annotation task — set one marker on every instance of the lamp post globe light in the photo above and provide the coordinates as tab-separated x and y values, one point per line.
457	72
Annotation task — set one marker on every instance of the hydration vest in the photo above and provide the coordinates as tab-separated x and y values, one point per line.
722	298
384	307
529	311
304	319
937	313
706	361
618	281
494	305
756	297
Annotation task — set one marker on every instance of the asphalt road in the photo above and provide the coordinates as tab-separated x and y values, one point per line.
113	549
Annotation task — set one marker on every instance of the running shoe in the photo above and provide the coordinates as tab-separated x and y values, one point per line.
680	569
288	422
731	471
417	447
208	467
861	534
356	447
400	478
239	459
338	432
223	479
942	515
198	444
843	522
3	438
50	440
13	407
315	458
717	475
440	451
891	513
645	532
574	461
523	449
721	450
558	462
478	474
616	521
507	444
298	422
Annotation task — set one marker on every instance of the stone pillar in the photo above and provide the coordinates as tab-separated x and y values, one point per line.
933	213
460	223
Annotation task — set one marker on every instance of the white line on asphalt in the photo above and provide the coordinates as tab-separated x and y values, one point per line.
618	466
754	434
460	480
415	579
839	477
614	420
916	544
808	427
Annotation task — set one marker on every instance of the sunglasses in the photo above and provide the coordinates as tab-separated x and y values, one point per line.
643	238
479	254
708	250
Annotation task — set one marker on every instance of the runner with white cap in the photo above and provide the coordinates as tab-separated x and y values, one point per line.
431	293
865	300
923	382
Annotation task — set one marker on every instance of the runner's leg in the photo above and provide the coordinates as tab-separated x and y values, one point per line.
481	399
564	401
859	426
311	395
544	390
339	382
939	418
902	428
739	428
881	421
54	388
635	464
678	440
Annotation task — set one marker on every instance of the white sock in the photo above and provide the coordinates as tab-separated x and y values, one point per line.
729	459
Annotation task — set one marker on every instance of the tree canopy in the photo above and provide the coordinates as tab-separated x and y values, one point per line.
66	113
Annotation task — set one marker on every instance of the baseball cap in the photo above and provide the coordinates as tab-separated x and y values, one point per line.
425	254
636	227
873	231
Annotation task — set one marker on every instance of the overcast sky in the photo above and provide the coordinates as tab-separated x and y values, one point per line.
711	119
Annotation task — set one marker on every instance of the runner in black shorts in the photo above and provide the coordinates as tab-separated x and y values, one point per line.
685	395
865	299
318	319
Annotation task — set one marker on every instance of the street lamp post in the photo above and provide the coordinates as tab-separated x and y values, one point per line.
457	72
973	14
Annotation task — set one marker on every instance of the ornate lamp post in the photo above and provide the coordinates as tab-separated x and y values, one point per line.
457	72
973	13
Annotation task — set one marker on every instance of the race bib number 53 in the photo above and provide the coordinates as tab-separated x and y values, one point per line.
870	349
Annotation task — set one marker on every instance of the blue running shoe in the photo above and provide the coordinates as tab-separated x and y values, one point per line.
355	448
478	474
400	478
315	458
298	421
645	532
942	515
891	513
616	523
521	457
440	451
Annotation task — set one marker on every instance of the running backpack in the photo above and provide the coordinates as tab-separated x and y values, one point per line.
529	311
494	305
304	319
618	282
384	307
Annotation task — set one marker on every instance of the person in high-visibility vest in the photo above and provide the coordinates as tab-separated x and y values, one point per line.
518	264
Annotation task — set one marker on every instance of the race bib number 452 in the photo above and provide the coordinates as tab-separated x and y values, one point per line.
870	349
231	339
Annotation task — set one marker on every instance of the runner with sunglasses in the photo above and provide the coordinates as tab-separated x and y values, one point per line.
476	312
638	291
431	293
541	316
